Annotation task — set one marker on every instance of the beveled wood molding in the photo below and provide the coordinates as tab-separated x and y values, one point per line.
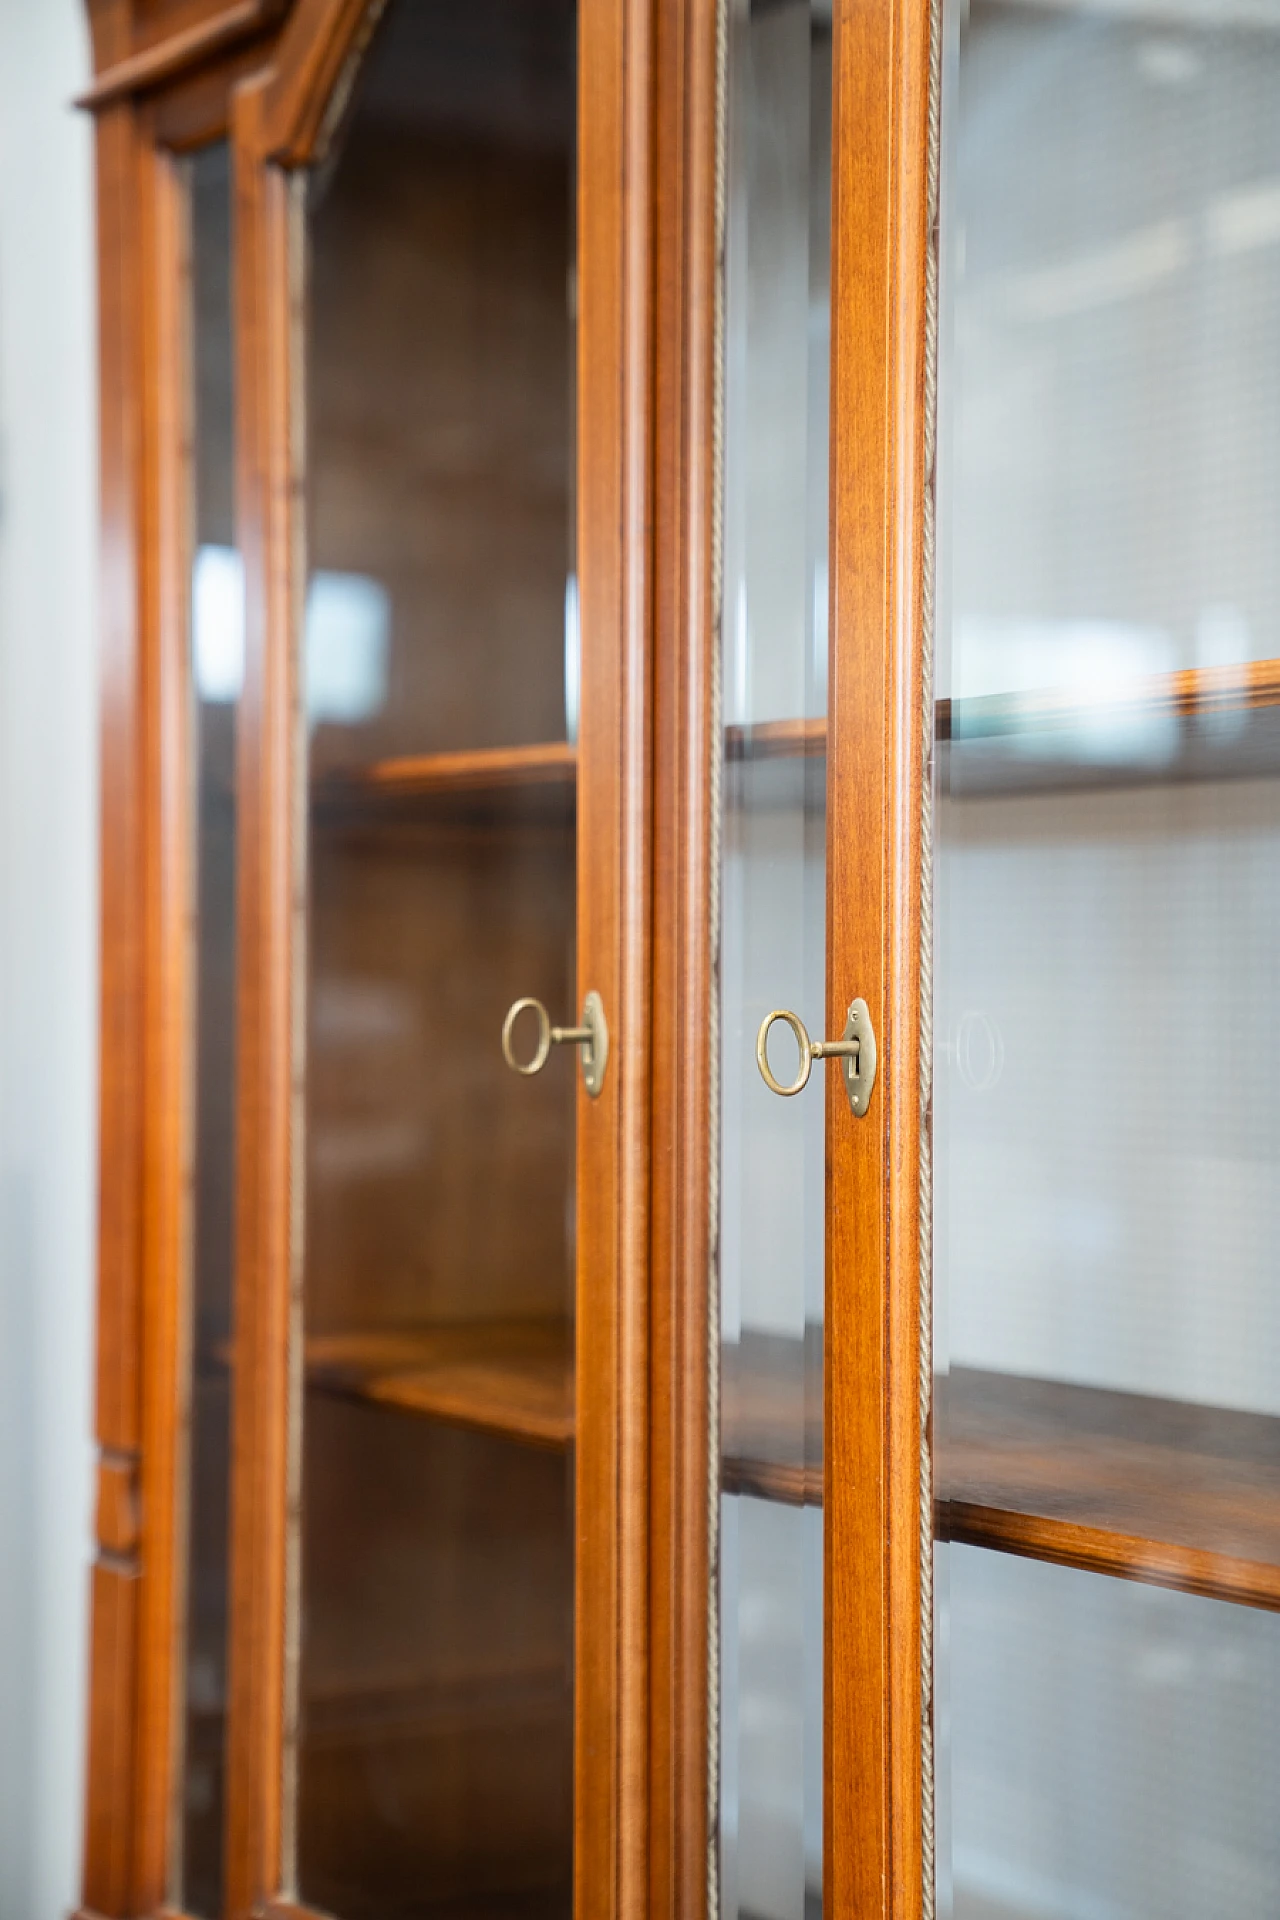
312	77
154	66
877	1538
268	881
684	1309
614	863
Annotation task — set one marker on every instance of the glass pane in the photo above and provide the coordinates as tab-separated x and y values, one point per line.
1114	1748
1107	1118
432	1764
773	937
217	652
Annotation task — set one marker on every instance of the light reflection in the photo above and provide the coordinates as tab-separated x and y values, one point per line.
347	641
217	624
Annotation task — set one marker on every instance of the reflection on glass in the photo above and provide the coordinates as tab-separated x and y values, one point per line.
1114	1747
773	955
440	300
431	1769
217	659
1107	1118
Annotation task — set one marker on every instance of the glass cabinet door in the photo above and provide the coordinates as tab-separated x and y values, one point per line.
1107	1416
429	1759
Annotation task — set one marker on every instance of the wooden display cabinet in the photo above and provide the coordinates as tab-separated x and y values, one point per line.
626	498
359	1503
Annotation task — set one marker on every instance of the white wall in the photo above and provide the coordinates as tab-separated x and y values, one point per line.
48	944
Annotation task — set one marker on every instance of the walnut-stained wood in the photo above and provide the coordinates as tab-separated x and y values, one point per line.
193	108
170	1042
187	61
683	1505
878	760
500	788
514	1379
526	1398
1161	1491
147	1048
312	76
113	1653
179	47
269	854
118	1515
636	1746
611	1739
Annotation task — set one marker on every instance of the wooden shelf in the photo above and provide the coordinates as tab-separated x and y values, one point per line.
540	780
771	1419
1227	724
1154	1490
486	784
512	1377
517	1378
1145	1489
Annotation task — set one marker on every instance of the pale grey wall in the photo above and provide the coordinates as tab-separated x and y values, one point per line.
48	944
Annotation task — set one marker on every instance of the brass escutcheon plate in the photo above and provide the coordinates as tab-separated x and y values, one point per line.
859	1069
595	1054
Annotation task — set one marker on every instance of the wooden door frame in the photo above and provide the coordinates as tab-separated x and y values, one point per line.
685	1333
878	1509
151	108
649	510
282	120
878	1522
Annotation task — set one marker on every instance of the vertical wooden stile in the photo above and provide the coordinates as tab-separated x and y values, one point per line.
268	853
878	761
686	275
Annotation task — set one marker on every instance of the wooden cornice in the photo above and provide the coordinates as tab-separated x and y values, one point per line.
180	52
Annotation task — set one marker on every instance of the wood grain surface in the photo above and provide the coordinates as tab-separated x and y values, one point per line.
685	942
112	1732
878	762
1146	1489
173	48
514	1378
1160	1491
615	813
269	853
